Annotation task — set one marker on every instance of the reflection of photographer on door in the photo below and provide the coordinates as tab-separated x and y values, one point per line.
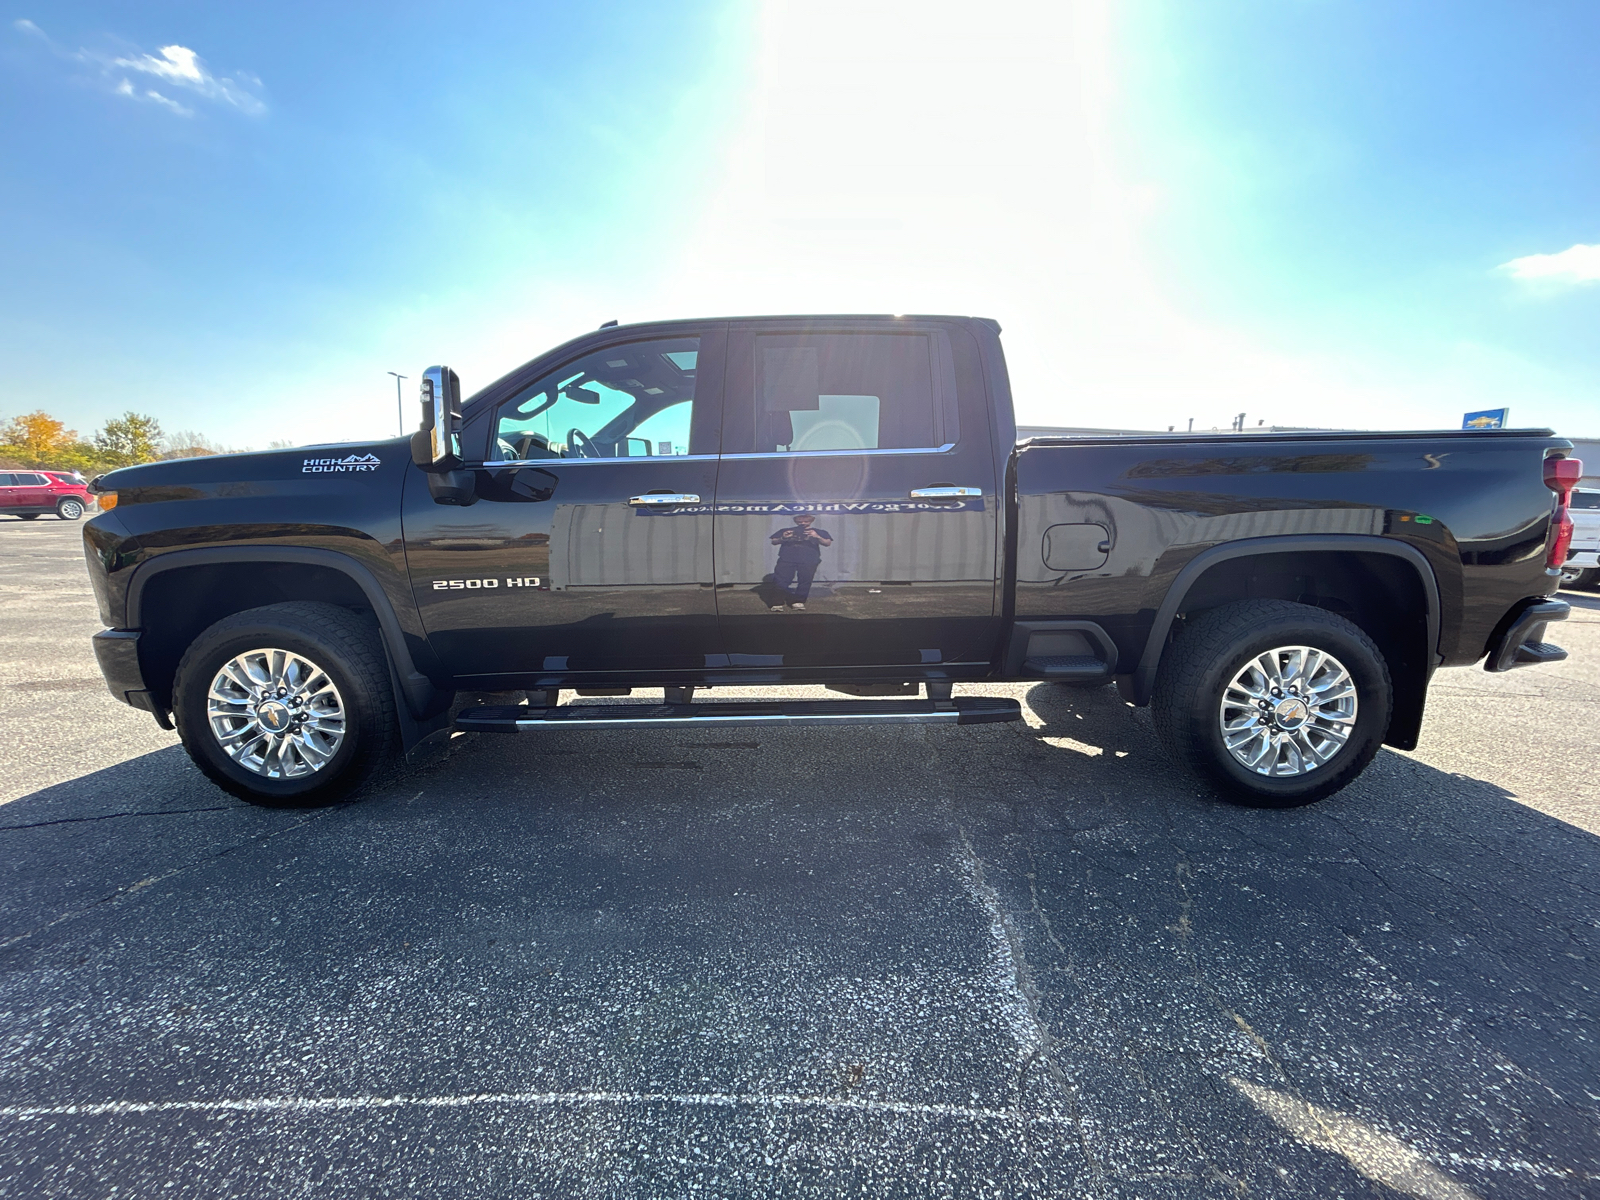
799	556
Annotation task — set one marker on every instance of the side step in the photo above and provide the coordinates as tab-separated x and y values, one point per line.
963	710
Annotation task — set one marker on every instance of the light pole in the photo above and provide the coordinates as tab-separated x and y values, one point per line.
399	404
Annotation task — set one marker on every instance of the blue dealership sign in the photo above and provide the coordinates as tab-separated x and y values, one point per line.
1489	418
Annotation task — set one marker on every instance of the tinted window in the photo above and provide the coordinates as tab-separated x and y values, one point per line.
7	480
628	401
845	391
34	480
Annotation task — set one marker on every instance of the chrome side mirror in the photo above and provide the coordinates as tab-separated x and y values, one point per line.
436	446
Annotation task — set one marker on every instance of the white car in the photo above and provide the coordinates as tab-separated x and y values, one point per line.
1582	568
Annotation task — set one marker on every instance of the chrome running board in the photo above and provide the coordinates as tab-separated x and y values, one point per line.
963	710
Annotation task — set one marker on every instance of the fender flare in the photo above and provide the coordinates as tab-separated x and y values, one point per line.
411	685
1144	677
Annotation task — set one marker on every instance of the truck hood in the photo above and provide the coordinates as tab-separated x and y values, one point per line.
205	473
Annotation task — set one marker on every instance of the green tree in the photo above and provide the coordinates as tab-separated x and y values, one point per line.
36	439
130	438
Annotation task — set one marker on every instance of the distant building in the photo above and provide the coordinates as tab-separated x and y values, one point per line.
1587	449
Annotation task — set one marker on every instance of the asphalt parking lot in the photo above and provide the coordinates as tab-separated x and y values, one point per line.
994	961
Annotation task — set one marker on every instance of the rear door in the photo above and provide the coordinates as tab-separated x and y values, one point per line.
588	550
856	501
46	491
36	492
10	492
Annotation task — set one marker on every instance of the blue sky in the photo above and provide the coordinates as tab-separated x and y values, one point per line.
240	218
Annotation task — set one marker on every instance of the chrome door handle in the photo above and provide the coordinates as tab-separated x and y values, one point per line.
945	493
663	499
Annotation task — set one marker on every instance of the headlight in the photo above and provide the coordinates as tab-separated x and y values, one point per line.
108	501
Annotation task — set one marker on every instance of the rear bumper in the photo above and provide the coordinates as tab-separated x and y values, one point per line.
117	652
1583	558
1522	643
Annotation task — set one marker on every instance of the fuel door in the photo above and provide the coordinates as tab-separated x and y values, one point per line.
1076	547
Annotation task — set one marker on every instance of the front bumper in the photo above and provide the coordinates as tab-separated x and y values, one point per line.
1522	644
117	652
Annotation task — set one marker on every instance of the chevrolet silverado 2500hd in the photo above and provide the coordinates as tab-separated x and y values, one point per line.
692	505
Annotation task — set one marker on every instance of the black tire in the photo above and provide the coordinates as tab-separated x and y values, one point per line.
1214	647
69	509
28	516
346	647
1586	580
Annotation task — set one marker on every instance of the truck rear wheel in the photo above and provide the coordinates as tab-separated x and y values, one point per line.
1274	703
287	705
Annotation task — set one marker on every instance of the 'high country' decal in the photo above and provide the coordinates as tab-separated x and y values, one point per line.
353	462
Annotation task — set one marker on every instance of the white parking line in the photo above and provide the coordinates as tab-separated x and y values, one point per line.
311	1104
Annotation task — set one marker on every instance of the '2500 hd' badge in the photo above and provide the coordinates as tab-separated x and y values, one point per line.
516	581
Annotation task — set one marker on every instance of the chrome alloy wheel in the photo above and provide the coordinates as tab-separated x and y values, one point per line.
1288	711
276	714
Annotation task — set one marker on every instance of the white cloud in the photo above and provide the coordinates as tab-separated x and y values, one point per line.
175	66
177	63
180	66
173	105
1576	264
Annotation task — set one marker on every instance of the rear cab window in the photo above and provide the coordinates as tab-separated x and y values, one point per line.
840	392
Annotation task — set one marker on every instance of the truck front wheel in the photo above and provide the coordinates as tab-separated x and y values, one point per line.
287	705
1276	704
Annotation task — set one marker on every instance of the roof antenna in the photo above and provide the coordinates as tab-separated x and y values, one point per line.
609	325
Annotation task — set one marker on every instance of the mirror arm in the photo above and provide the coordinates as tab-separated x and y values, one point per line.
457	488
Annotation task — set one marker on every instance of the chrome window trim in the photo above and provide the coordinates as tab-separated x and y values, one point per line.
567	462
944	449
661	458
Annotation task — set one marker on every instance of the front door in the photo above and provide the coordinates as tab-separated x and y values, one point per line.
588	550
856	504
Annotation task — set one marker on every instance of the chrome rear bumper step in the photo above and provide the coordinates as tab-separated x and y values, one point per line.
963	710
1523	644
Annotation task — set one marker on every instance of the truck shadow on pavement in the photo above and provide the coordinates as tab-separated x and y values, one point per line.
996	918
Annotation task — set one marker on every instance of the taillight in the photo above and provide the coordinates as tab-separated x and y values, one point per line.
1561	475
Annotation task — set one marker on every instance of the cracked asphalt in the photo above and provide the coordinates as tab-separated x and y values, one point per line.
1027	960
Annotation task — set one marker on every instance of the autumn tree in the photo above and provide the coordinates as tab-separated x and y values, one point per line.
130	438
36	439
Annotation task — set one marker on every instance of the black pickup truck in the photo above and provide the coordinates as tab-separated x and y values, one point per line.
694	505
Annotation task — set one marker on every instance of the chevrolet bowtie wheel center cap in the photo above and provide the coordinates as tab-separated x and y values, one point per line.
1290	712
274	716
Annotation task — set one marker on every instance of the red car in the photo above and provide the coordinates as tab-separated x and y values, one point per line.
31	494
